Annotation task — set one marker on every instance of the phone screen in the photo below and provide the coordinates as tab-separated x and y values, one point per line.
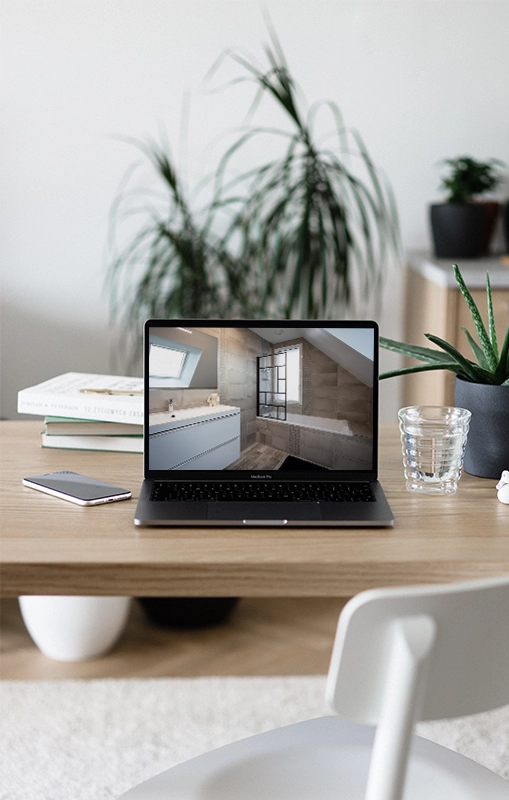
77	488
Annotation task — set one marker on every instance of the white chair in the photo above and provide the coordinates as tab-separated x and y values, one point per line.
400	656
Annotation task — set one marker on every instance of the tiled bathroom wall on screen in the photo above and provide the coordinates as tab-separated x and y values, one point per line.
261	398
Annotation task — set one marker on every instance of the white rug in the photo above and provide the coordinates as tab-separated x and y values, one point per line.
92	740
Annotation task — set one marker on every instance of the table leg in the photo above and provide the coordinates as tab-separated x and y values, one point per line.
74	628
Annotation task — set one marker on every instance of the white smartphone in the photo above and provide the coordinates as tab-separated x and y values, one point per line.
77	488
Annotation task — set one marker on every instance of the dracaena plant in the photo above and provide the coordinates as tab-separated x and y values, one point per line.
491	365
303	234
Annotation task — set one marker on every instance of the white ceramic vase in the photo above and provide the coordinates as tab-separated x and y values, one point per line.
74	628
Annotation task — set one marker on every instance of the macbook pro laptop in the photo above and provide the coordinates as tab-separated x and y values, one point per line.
266	423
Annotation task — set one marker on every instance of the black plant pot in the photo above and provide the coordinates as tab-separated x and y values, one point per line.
459	230
188	612
487	450
505	225
492	215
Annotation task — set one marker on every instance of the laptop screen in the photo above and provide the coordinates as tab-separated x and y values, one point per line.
261	399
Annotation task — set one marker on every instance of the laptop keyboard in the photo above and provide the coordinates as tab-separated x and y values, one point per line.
297	492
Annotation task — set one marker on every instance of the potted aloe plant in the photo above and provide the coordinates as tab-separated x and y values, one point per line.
481	386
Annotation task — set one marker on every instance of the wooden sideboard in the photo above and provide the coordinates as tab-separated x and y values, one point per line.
434	304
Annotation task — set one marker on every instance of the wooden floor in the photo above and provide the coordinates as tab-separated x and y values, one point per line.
259	456
281	636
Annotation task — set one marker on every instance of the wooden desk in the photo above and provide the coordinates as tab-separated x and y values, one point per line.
53	547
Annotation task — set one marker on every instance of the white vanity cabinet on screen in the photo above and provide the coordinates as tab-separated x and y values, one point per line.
195	438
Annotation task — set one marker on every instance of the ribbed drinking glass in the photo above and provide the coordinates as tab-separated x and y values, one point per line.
433	440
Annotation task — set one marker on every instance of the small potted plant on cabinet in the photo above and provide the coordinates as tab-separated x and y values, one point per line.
482	385
462	227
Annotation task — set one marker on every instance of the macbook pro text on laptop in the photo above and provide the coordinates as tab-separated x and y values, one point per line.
261	423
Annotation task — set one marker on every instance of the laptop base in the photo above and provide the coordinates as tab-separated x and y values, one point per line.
262	514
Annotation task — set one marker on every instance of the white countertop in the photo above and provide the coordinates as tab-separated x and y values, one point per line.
439	270
166	420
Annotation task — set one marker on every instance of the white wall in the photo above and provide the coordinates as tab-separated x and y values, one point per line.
420	79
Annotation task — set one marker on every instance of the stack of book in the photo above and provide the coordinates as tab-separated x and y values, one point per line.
88	412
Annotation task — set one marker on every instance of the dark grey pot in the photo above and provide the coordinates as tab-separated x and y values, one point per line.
458	229
487	450
505	224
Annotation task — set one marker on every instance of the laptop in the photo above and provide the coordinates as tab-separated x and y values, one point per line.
261	423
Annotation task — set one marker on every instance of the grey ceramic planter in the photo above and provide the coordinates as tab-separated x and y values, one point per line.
487	450
458	229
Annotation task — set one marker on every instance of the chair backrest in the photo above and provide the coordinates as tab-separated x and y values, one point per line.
409	654
467	666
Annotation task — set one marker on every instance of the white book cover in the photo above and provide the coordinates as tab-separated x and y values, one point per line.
112	398
124	444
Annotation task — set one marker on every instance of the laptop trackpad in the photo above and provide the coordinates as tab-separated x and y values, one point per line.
271	512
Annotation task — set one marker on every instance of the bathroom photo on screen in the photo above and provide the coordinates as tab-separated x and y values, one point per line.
260	398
